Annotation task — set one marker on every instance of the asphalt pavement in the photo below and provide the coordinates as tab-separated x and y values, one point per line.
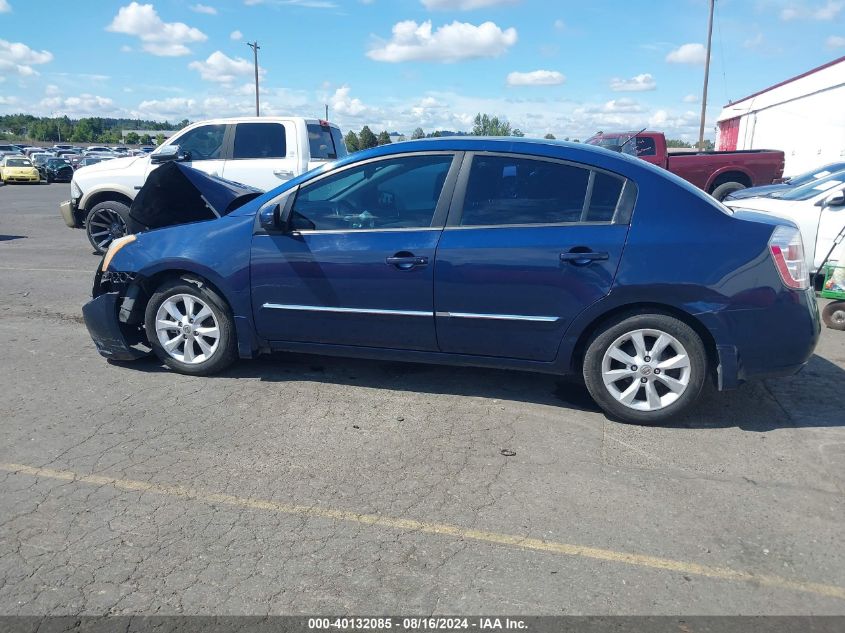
298	485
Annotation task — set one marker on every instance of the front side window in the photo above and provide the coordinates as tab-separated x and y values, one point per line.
397	193
506	190
204	142
259	140
645	146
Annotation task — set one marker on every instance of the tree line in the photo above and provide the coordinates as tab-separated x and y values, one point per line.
83	130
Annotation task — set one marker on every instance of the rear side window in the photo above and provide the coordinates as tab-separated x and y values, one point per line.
505	190
326	142
259	140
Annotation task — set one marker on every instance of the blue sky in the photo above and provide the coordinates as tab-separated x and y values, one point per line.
560	66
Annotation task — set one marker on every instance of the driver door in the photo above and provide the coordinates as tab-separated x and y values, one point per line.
357	268
206	144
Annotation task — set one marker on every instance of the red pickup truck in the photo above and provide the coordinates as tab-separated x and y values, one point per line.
717	173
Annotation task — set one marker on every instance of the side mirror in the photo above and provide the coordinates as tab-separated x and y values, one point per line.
169	152
268	217
835	199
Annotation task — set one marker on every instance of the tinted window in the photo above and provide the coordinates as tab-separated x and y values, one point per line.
505	190
390	194
604	198
645	146
204	142
260	140
326	142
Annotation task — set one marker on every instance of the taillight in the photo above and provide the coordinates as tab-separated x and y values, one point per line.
787	251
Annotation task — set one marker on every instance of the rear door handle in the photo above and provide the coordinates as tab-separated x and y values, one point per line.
582	259
283	173
406	262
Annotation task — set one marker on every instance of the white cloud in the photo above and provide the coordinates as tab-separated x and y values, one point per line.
223	69
165	39
754	42
536	78
18	59
688	54
52	90
175	108
79	106
836	41
692	99
236	36
203	8
5	7
560	25
342	103
639	83
312	4
462	5
449	43
802	11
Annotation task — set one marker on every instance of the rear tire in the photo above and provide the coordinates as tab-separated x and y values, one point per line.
725	189
106	222
833	315
645	368
190	328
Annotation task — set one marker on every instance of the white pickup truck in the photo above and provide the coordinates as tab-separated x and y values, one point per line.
262	152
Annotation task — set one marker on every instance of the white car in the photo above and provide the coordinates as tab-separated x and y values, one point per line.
818	208
261	152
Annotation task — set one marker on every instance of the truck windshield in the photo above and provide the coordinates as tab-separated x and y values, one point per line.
326	142
813	188
815	174
615	143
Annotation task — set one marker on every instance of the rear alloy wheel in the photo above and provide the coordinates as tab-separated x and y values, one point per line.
646	369
190	328
105	223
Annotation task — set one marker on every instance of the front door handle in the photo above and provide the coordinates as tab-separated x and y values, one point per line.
283	173
406	262
582	259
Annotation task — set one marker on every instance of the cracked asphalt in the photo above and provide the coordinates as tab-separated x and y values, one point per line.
302	485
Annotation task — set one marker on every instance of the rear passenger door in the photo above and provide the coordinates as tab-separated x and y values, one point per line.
263	154
528	245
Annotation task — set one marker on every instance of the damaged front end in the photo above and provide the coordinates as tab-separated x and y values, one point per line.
115	315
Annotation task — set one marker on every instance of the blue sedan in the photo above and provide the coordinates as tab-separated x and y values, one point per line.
512	253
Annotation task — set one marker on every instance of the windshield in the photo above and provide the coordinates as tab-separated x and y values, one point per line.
815	174
813	188
58	162
18	162
614	143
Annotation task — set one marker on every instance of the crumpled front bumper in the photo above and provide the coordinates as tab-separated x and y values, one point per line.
101	319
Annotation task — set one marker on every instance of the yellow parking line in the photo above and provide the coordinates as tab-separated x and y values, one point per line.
442	529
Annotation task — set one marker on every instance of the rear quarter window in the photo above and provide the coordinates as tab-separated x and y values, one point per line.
326	142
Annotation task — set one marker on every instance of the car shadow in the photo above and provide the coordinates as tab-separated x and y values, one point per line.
8	238
759	406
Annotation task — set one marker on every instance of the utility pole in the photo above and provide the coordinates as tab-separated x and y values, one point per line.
327	112
255	48
706	75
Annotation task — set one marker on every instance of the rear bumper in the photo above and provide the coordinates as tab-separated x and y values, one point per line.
101	319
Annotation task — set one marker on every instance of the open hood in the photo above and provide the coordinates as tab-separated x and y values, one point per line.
178	194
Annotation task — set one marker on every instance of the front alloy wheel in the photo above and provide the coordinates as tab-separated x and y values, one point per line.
190	327
646	368
105	223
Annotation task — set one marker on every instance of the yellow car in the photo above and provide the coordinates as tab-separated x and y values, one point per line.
18	169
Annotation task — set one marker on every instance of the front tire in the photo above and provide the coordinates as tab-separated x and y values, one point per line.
646	368
190	328
106	222
833	315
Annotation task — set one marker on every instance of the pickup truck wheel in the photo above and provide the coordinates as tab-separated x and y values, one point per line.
725	189
190	328
106	222
645	369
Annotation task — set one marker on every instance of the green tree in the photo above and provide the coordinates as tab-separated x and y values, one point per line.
132	138
352	142
145	139
549	136
383	138
418	133
485	125
183	123
160	139
674	142
708	145
366	139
